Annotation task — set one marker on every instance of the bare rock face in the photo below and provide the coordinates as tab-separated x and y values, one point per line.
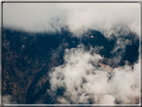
106	67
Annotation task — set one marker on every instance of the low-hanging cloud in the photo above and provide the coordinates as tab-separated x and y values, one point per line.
85	82
45	17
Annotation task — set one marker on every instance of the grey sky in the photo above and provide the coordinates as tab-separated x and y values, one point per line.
44	17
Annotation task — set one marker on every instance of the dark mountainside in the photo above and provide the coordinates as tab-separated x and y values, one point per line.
27	58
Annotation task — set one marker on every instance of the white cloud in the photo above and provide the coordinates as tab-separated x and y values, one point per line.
84	82
41	17
7	99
